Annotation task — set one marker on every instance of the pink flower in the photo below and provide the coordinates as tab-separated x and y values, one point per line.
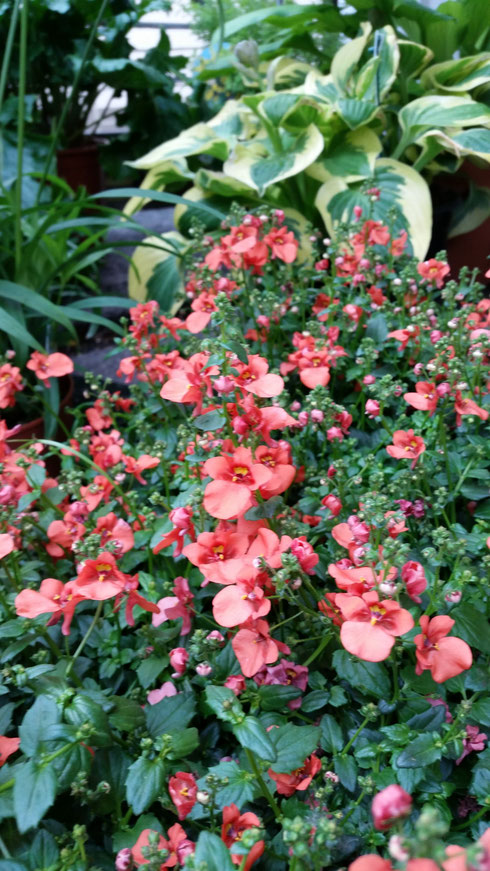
166	690
372	408
178	660
390	805
49	366
414	578
235	683
474	740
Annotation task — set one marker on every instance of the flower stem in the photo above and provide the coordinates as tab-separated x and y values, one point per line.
85	638
355	735
262	784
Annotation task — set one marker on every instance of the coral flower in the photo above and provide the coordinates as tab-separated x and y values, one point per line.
425	397
178	846
183	790
299	780
49	366
8	746
371	626
254	647
282	244
100	578
10	383
235	603
390	805
179	605
232	829
7	544
218	555
235	480
406	446
53	597
433	270
254	377
445	657
371	862
468	406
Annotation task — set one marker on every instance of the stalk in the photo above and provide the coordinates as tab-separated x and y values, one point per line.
20	134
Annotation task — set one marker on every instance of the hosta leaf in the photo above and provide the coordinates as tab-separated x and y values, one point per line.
441	111
254	165
462	74
400	187
350	155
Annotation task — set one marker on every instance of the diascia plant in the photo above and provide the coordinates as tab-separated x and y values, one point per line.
245	625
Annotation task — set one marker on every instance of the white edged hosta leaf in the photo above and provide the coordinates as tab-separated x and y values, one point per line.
323	88
304	112
198	139
441	111
158	251
184	213
377	75
461	75
222	185
256	166
356	112
157	178
403	192
347	57
275	106
413	58
474	142
350	155
286	72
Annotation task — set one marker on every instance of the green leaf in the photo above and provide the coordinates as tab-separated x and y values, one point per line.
34	300
126	714
158	197
174	712
43	713
34	793
237	349
252	735
370	677
346	769
150	668
77	314
44	852
212	853
184	742
85	710
274	698
420	752
293	744
472	627
240	786
36	475
210	421
480	781
480	711
265	509
431	718
331	734
315	700
377	329
144	783
13	328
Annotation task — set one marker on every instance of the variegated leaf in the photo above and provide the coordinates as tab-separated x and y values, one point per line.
222	185
347	57
404	202
462	75
157	178
441	111
286	72
377	75
350	155
146	258
413	58
255	165
474	142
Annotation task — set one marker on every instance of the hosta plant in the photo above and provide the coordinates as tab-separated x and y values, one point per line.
246	624
383	118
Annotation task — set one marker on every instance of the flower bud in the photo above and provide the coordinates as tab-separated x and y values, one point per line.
247	52
390	805
124	860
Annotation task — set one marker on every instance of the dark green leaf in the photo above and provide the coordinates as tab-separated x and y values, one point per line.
159	197
315	700
265	510
144	783
420	752
211	850
331	734
184	742
237	349
252	735
369	677
274	698
472	626
431	718
150	668
126	714
346	769
480	712
85	710
240	786
36	475
377	329
293	744
174	712
480	782
44	852
210	421
34	793
32	731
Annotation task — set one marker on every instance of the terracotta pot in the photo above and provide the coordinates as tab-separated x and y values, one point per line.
34	429
80	167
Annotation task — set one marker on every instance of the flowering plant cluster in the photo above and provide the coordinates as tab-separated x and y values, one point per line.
245	625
